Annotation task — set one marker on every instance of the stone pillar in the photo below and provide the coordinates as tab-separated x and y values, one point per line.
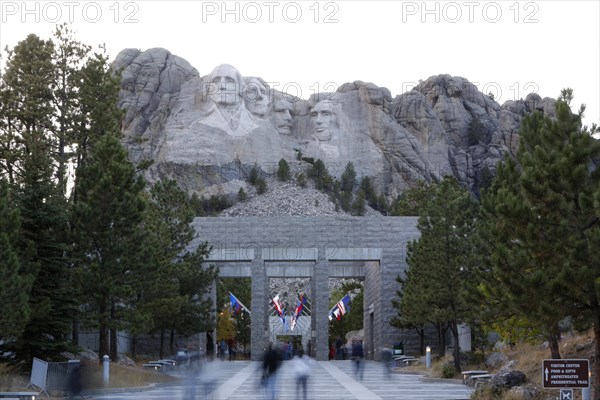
373	311
320	307
259	306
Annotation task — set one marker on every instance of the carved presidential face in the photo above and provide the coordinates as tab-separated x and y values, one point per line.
224	85
256	97
324	120
282	116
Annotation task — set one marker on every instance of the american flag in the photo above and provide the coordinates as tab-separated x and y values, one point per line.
340	309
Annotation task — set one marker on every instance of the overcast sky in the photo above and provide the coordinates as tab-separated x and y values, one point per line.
510	48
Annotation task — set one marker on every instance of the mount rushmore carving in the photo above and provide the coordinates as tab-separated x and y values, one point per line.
208	131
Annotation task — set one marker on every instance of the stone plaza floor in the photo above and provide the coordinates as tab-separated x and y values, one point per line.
330	380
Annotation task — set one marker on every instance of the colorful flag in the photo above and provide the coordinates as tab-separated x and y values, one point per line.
341	308
236	304
279	309
299	307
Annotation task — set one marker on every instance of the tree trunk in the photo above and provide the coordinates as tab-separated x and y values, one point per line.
102	334
172	342
162	343
133	345
421	333
113	335
454	329
102	341
75	333
554	349
442	339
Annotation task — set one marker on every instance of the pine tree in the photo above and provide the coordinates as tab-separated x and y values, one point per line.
106	220
27	119
26	105
254	176
176	288
261	186
320	175
413	309
540	225
46	76
283	170
301	180
14	285
358	205
348	178
413	200
440	270
44	218
69	57
242	195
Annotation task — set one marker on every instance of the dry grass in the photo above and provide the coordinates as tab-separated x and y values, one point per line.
11	379
121	376
528	359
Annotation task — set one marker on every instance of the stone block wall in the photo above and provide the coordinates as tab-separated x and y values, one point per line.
380	242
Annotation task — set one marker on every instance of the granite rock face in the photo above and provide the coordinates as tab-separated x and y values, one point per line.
207	132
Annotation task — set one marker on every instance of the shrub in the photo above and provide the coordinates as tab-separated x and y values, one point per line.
283	172
301	180
253	177
358	205
261	186
320	175
448	371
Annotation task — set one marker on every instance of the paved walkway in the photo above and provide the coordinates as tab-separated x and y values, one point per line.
331	380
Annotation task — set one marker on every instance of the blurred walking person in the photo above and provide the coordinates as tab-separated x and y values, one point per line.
386	360
303	366
271	364
357	358
74	382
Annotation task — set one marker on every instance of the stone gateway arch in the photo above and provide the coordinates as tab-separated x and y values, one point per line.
373	248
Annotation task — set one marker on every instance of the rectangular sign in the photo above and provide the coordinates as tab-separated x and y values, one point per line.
566	373
566	394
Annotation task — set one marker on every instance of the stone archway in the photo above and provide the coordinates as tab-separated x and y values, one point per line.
318	248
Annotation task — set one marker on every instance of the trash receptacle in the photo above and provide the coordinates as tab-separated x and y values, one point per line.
398	349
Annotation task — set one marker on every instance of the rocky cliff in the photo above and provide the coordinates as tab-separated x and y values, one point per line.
207	132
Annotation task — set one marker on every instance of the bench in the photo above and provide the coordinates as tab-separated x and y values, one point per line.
481	379
468	374
406	360
410	361
162	363
18	395
153	366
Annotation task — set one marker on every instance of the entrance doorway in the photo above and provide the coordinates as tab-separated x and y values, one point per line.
233	330
348	325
